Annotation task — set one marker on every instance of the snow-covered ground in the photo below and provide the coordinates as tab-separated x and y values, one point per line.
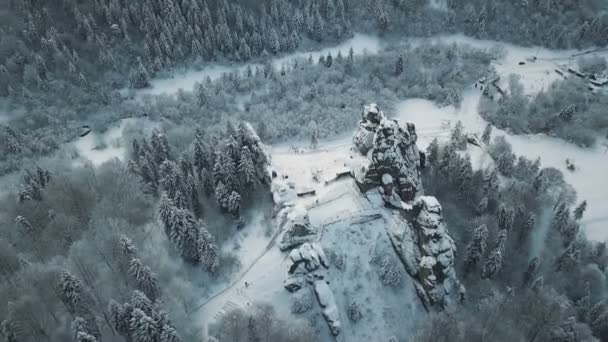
361	43
99	148
342	216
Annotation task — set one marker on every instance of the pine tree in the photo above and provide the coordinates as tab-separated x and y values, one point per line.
246	168
567	113
165	211
350	61
580	210
399	65
458	138
201	95
139	78
432	153
328	60
233	204
71	292
144	278
569	258
493	264
505	218
476	247
160	147
208	250
141	302
532	271
24	225
487	134
80	330
169	334
314	135
143	327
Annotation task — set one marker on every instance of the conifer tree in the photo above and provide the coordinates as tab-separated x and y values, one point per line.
144	278
399	65
580	210
476	247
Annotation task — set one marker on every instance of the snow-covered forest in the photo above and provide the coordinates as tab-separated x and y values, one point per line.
272	170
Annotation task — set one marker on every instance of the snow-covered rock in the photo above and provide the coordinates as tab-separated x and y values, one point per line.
371	118
328	303
434	255
303	264
392	152
294	222
306	258
283	193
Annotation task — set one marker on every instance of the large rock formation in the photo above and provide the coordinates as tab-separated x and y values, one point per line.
428	252
385	156
390	150
304	266
294	223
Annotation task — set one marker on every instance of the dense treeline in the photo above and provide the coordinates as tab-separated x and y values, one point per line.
91	254
530	273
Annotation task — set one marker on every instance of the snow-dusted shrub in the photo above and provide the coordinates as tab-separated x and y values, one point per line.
354	312
338	260
374	255
301	303
390	273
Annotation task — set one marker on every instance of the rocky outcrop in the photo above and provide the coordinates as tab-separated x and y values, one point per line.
428	252
328	303
306	258
294	223
304	266
390	150
371	118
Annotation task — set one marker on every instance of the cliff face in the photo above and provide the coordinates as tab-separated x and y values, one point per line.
386	158
436	272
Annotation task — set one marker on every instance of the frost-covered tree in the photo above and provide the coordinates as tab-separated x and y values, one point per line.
354	312
246	168
201	95
142	327
458	137
487	134
139	78
144	278
531	272
493	263
399	65
476	247
233	204
119	317
208	250
314	135
505	218
580	210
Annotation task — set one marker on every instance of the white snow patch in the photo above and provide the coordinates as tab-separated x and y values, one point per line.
99	148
